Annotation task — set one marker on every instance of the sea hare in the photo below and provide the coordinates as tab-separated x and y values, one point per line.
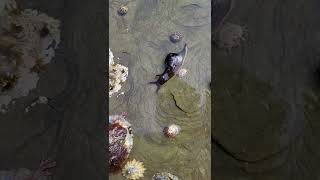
120	142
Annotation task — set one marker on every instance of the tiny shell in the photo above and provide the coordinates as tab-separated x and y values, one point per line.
182	72
172	131
120	142
176	37
117	75
231	35
123	10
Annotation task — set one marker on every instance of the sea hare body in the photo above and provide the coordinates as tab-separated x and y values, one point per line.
120	142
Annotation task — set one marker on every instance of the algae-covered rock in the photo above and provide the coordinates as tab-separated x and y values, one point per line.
181	95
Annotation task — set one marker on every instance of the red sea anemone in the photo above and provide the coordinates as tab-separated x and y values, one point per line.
120	142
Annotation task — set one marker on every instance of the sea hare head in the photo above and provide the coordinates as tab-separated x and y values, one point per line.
120	142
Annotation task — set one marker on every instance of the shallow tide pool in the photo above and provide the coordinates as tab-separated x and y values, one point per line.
140	40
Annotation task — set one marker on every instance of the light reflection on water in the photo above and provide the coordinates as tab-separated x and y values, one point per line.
140	40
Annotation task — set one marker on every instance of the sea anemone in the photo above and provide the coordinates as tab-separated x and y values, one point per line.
172	131
133	170
230	36
7	81
120	142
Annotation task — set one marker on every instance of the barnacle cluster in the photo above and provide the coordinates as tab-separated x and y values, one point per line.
117	75
28	39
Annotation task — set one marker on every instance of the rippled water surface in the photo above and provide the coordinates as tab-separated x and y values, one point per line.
141	41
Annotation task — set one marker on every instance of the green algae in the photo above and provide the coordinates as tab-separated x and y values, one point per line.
181	95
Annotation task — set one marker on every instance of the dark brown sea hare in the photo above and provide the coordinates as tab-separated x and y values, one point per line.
120	142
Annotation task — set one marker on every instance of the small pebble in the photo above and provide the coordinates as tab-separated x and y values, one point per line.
182	72
176	37
172	131
43	100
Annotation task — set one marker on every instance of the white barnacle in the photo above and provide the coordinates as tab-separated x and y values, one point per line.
182	72
29	49
118	74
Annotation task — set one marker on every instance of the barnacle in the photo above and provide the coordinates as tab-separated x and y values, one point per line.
123	10
28	39
7	81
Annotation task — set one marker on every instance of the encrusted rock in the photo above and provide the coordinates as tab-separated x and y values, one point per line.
28	40
117	75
